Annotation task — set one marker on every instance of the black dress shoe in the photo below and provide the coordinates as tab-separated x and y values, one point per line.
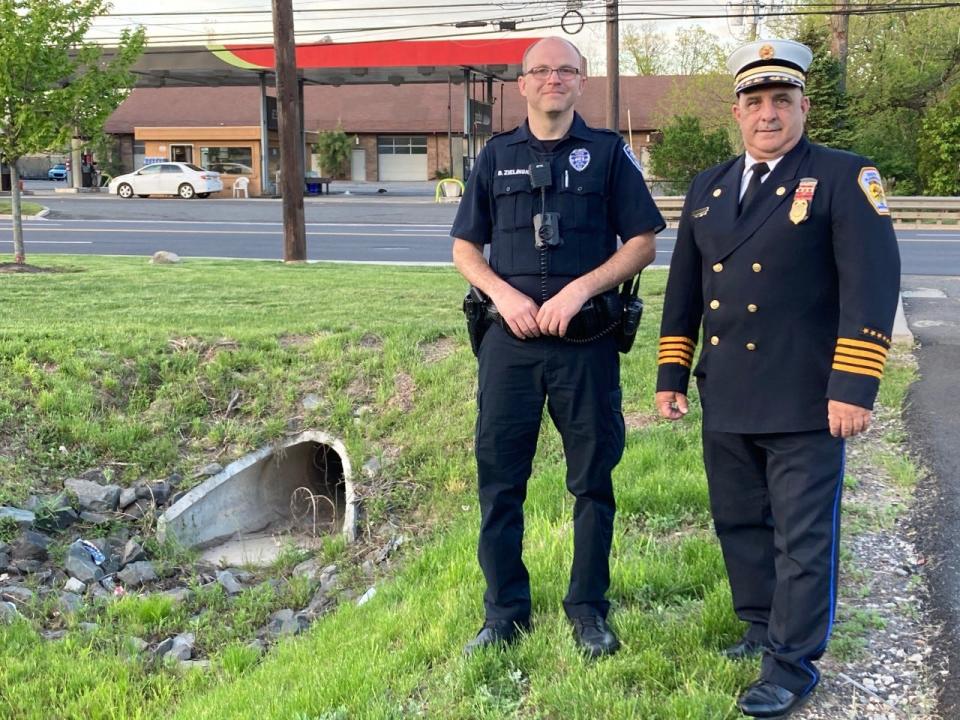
594	636
496	632
764	699
743	650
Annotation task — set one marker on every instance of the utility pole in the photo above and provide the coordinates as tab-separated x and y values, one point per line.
613	66
839	23
291	139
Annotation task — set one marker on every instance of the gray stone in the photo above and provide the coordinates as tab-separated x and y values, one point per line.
127	497
75	586
311	401
137	574
164	257
80	564
4	547
367	596
23	518
92	496
181	647
179	594
371	468
229	583
96	475
69	602
244	576
88	627
158	492
95	518
4	562
285	622
25	567
208	470
8	612
53	635
310	569
138	510
163	648
31	545
319	604
17	594
132	552
258	645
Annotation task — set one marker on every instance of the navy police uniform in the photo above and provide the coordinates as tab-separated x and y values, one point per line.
796	295
598	190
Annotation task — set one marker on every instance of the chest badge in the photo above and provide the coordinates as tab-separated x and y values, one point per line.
800	210
701	212
579	159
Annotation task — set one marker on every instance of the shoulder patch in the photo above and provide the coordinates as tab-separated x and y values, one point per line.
628	151
872	185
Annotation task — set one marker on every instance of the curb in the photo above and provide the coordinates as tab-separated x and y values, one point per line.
901	331
42	215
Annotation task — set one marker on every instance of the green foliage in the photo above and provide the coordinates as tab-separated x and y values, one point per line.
685	150
54	79
939	146
827	122
333	147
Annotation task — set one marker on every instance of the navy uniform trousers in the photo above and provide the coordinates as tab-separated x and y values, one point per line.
581	386
775	500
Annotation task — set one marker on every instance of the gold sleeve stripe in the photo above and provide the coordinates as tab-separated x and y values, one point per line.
673	361
849	342
860	362
674	353
863	354
679	349
677	338
857	370
682	346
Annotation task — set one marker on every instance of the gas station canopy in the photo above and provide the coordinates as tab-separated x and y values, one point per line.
383	62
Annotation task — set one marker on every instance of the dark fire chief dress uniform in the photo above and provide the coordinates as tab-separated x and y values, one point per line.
599	192
796	296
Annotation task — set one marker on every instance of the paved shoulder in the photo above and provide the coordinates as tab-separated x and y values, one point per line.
932	306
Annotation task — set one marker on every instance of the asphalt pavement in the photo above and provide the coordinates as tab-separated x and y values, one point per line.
932	306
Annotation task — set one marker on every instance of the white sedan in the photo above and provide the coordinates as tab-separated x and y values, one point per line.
167	178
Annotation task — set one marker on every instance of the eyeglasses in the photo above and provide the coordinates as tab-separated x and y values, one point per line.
543	72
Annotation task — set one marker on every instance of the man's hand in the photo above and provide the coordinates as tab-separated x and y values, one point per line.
555	314
671	404
847	420
519	311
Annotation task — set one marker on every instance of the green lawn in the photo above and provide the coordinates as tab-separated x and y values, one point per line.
26	208
131	367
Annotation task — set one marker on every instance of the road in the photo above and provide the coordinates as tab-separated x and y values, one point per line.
357	228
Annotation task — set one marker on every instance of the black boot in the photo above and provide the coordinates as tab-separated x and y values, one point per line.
594	636
496	632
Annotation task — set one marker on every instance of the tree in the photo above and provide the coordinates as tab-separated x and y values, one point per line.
333	147
939	146
54	81
644	50
698	52
685	150
827	120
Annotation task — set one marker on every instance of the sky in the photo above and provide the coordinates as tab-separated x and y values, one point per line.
191	22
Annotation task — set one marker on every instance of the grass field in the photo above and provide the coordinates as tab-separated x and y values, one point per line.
26	208
117	364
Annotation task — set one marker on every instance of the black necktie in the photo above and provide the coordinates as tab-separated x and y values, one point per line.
759	170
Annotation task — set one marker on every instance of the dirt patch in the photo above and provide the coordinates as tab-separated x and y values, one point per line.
438	350
9	267
371	342
638	420
295	341
208	351
404	390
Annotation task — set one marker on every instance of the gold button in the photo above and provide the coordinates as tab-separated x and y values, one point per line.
751	308
757	267
716	193
718	267
781	190
714	340
751	346
714	304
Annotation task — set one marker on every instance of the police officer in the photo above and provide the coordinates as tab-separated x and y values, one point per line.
584	186
787	256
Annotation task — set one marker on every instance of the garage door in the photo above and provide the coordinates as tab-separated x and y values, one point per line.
402	157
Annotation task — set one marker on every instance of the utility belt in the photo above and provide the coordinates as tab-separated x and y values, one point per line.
612	312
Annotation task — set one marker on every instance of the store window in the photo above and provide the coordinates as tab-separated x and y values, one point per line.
228	160
402	145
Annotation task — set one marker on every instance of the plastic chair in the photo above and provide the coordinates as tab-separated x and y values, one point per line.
240	186
449	190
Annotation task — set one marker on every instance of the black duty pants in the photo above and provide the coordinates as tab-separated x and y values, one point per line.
776	508
581	385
